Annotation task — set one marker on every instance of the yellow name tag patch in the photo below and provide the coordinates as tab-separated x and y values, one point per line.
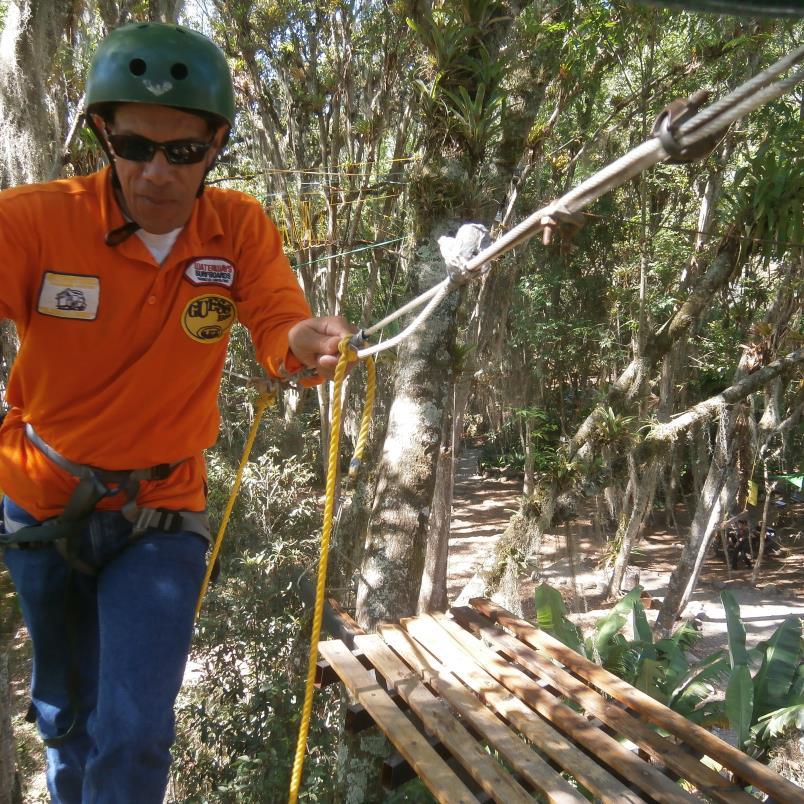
69	296
206	319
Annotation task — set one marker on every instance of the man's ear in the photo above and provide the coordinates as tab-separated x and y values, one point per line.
99	123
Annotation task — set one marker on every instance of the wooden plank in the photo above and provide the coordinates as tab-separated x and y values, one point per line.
430	768
396	770
691	734
325	675
438	720
549	741
705	779
605	748
516	751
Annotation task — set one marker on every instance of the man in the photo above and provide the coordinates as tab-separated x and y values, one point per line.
123	286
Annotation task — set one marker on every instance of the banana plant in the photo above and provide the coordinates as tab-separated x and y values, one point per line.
761	707
660	669
740	690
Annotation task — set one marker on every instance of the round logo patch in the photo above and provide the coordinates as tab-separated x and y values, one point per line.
207	319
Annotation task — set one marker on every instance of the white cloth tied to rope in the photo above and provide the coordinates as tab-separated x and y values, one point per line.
469	241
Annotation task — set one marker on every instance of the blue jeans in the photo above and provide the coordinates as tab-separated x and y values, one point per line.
120	639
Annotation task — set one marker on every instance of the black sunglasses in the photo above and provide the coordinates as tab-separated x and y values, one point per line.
141	149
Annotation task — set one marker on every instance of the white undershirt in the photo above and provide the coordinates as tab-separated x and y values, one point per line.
159	244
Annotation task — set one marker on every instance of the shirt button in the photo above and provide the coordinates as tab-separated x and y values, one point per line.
152	300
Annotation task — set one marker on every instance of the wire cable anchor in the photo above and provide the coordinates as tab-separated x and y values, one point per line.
671	118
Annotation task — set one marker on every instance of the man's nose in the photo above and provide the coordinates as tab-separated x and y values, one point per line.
158	169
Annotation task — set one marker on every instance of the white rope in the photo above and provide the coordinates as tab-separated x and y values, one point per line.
442	289
411	305
750	95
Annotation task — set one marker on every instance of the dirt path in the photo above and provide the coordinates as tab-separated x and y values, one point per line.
480	511
482	507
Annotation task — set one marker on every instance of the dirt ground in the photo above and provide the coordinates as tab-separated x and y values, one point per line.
482	507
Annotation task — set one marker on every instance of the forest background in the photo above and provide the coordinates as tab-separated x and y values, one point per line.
650	359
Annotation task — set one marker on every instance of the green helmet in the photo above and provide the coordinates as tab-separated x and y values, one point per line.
167	65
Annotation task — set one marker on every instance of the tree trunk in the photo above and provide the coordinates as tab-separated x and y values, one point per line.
32	109
433	591
643	500
530	459
395	543
359	766
769	489
708	515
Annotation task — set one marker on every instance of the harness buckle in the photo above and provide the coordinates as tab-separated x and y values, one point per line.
157	519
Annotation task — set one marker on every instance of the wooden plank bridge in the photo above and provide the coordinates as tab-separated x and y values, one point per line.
483	706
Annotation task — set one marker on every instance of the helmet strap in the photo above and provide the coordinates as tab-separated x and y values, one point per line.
114	237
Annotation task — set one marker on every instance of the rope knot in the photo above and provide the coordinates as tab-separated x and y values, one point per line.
347	348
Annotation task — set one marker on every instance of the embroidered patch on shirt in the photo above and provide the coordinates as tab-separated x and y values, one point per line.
206	319
69	296
210	271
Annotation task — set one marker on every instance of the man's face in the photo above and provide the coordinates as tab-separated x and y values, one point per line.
159	196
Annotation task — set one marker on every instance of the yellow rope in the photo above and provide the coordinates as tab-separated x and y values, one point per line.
365	422
347	355
264	401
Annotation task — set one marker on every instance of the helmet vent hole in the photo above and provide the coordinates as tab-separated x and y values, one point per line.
179	71
137	66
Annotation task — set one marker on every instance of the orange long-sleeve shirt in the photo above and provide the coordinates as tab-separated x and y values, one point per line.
120	358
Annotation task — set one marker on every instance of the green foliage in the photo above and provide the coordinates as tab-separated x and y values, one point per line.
660	669
504	449
767	192
551	615
740	702
763	707
777	675
738	656
614	429
460	83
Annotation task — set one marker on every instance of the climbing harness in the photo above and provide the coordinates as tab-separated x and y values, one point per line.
348	353
64	532
93	485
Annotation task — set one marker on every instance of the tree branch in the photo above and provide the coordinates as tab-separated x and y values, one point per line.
665	433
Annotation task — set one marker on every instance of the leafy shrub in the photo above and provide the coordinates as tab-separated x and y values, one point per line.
660	669
763	707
